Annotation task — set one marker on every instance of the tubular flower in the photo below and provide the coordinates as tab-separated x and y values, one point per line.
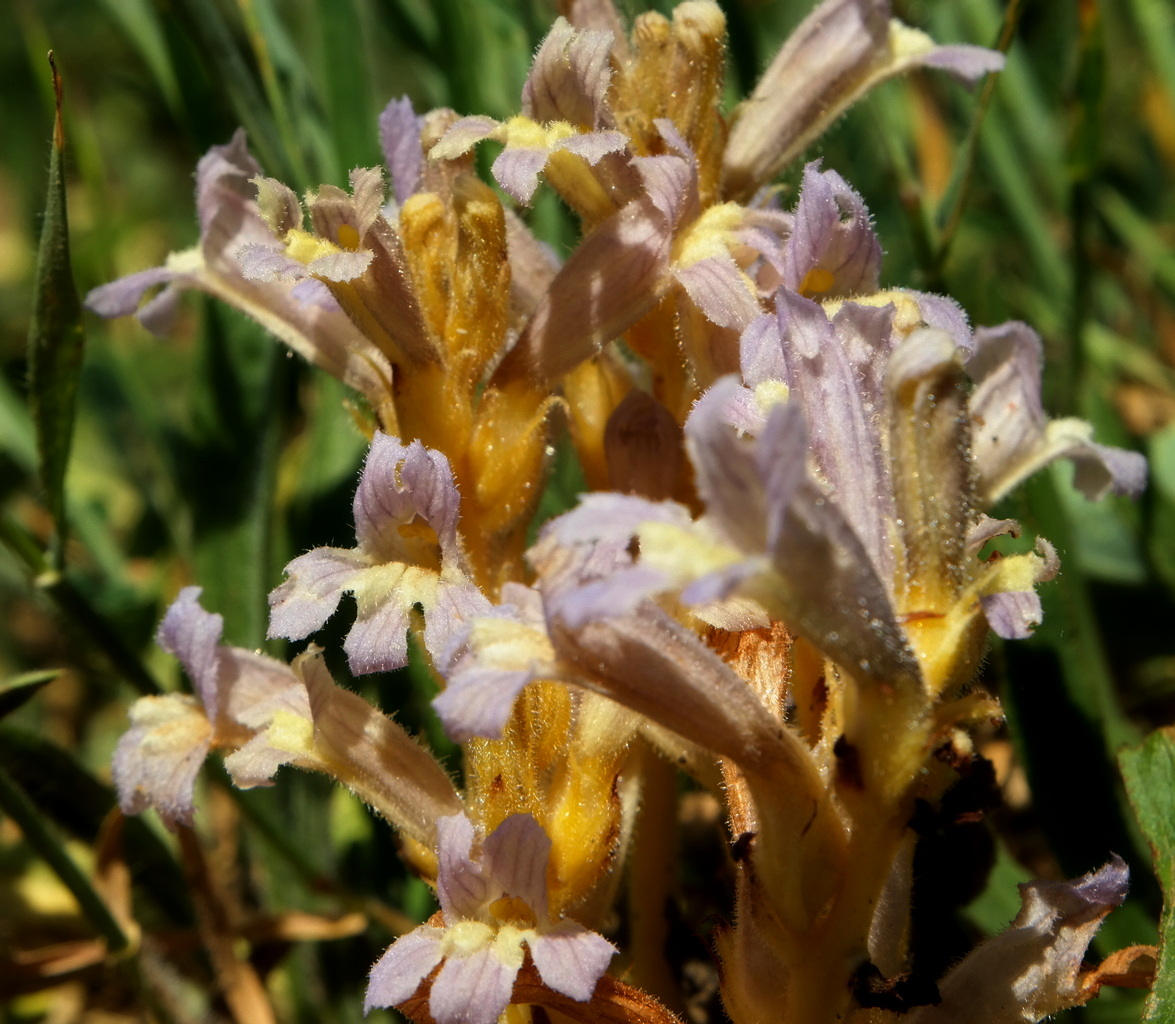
266	714
493	911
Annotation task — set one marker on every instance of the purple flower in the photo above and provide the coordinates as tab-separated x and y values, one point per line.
494	907
407	554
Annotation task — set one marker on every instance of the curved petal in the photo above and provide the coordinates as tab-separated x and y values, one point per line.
193	635
314	584
570	959
473	989
158	757
397	974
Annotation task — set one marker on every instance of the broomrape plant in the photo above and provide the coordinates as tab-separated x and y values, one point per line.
781	578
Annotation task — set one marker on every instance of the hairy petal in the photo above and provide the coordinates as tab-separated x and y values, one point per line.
570	959
397	974
473	989
193	636
158	757
1013	438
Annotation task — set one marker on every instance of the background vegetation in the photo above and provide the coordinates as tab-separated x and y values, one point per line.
213	457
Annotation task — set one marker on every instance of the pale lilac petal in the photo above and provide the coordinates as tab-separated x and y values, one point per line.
841	414
447	625
967	63
805	87
462	887
570	959
728	474
193	635
1013	615
761	351
472	990
1102	470
832	251
399	136
720	290
462	136
158	315
478	701
612	517
516	855
397	974
314	585
400	483
122	297
259	262
946	314
158	758
594	146
312	292
278	206
670	184
569	78
1011	436
619	594
378	641
517	170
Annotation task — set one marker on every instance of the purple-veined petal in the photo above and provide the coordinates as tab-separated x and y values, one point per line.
472	989
397	974
261	262
570	959
314	585
516	854
193	635
614	277
478	701
378	640
462	886
568	80
517	170
720	290
399	137
832	251
1013	614
400	483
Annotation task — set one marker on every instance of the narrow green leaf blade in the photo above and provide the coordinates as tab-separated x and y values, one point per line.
55	339
1149	771
16	691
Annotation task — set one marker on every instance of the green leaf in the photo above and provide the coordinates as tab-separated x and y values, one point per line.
55	339
1149	771
18	690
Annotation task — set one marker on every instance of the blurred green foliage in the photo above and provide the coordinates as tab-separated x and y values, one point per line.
213	457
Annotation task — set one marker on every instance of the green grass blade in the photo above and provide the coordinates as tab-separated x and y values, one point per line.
1149	771
56	340
37	833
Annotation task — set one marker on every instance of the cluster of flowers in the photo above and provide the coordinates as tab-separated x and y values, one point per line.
778	580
